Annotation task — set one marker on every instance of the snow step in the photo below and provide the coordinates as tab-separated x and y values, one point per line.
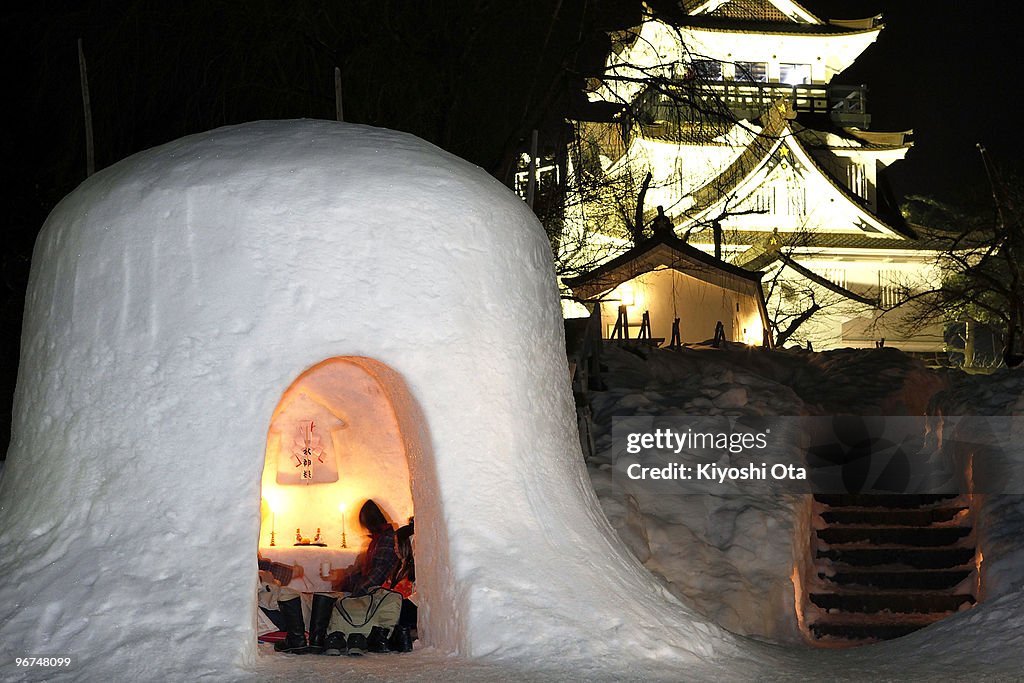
863	632
887	565
883	500
911	536
891	602
917	558
896	580
891	517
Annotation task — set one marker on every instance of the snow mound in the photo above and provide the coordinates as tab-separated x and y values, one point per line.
177	294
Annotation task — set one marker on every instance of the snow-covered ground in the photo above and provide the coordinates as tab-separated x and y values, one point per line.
729	557
724	555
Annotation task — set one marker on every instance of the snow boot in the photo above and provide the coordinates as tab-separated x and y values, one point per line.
334	644
319	619
401	639
356	644
377	641
295	640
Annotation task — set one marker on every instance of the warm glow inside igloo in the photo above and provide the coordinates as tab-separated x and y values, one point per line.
333	442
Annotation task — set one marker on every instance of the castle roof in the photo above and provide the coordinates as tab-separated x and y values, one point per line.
713	23
761	10
778	132
768	16
816	239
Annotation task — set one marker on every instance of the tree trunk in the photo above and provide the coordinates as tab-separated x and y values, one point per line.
797	322
637	229
90	155
970	332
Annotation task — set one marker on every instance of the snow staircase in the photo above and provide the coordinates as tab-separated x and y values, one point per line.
887	565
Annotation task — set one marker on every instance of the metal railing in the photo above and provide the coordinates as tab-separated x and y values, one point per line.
846	104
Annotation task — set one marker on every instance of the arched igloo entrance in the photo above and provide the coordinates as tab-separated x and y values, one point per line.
334	441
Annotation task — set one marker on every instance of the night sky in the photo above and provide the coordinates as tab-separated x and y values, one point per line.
472	77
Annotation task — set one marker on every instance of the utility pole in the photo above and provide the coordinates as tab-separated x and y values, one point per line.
337	95
90	154
531	183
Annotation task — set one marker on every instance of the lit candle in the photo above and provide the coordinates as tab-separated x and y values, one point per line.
341	506
272	504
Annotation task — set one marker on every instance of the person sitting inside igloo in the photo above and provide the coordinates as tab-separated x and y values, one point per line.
360	615
380	559
366	618
403	580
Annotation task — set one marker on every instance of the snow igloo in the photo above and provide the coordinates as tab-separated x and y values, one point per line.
177	298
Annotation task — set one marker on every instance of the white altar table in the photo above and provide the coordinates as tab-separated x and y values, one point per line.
310	557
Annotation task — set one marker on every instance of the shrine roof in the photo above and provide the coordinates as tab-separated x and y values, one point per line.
661	250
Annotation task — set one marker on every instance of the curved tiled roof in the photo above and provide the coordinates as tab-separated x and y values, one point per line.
653	252
761	10
847	192
815	240
776	132
712	23
747	163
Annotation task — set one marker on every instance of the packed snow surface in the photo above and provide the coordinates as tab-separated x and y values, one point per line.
175	296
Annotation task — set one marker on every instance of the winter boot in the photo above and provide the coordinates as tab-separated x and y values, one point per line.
356	644
334	644
377	641
295	640
319	618
401	639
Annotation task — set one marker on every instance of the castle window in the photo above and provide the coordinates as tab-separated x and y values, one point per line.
764	199
836	276
707	69
797	201
756	72
856	179
795	74
892	288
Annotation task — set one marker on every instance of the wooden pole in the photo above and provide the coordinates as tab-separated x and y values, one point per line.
90	154
970	333
531	184
337	95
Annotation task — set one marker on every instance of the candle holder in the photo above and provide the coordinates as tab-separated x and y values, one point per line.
344	543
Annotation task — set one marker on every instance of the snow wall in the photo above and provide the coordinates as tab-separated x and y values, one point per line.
176	295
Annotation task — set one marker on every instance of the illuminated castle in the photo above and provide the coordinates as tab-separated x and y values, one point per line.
732	112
